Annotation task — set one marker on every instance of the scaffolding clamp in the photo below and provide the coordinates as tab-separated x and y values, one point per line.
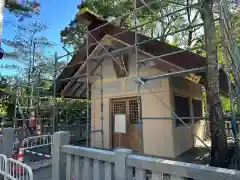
140	81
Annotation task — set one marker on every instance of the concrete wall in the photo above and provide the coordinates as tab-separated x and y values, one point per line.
183	138
157	131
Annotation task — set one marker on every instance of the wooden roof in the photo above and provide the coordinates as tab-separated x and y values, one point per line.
185	60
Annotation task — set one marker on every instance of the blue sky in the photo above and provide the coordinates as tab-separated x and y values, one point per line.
56	13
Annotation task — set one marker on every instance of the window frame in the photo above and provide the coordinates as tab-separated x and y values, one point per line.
199	100
177	121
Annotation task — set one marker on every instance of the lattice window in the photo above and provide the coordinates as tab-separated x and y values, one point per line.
133	111
119	107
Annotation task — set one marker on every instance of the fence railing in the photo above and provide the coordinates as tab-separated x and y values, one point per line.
36	141
88	163
77	131
14	170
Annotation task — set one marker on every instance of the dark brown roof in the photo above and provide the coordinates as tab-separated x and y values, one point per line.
186	60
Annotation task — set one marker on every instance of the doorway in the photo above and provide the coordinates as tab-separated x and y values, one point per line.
129	108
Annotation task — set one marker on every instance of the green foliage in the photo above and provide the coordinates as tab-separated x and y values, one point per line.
226	104
19	8
70	111
3	109
73	34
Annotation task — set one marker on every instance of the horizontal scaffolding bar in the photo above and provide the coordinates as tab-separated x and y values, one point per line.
71	53
226	118
122	16
144	79
73	77
99	130
26	86
128	48
27	119
152	20
169	54
195	5
34	95
119	51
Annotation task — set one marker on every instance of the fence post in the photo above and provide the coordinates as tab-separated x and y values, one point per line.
58	159
121	171
7	142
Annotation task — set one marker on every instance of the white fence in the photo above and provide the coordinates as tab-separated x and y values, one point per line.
95	164
36	141
11	169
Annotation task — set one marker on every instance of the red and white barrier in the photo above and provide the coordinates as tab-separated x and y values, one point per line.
20	155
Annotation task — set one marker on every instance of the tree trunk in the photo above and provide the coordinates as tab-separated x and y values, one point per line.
219	150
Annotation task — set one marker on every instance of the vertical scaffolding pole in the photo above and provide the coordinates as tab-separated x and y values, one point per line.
54	92
140	133
2	5
15	108
87	86
101	76
32	69
233	119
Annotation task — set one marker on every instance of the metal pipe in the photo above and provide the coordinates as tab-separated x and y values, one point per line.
179	118
233	119
54	93
109	53
102	132
2	5
87	82
137	9
173	74
74	77
128	48
169	118
60	57
169	54
32	73
148	22
139	103
15	108
29	74
99	130
226	118
26	86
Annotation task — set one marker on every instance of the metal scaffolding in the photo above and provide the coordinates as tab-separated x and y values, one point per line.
140	81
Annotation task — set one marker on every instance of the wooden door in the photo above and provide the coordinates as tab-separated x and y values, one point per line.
129	107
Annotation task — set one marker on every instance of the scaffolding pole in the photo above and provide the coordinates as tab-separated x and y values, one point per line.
139	103
195	5
102	118
87	86
54	93
140	80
